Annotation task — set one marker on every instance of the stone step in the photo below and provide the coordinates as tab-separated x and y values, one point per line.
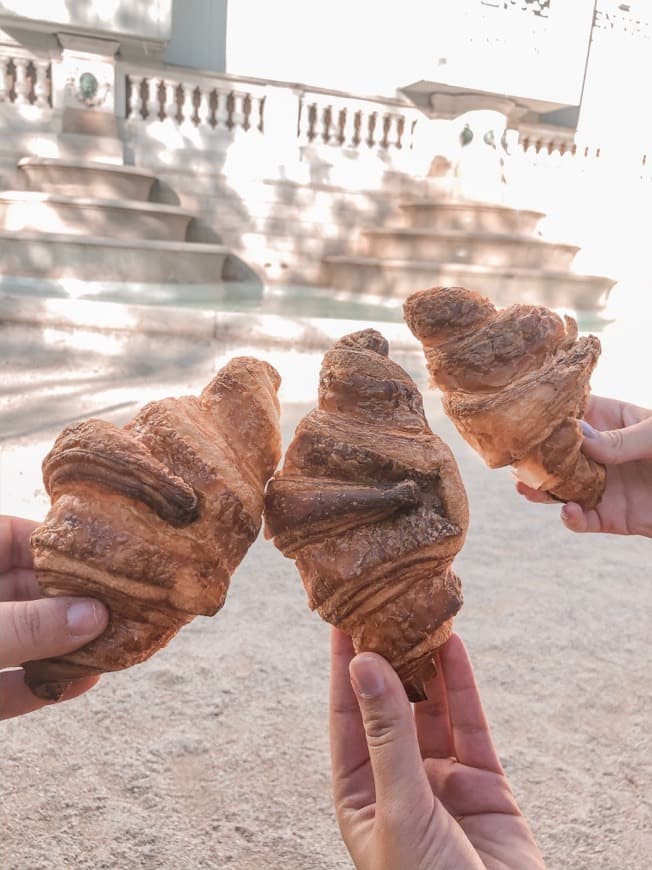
488	249
117	219
505	286
96	258
83	178
476	217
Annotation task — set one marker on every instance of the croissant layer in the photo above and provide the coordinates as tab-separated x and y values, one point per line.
514	383
371	506
152	519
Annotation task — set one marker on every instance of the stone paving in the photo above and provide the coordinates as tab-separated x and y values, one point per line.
214	752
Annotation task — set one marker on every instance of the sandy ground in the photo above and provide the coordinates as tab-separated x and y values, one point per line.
214	753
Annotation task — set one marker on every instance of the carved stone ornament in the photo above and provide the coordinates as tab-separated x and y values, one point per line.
466	136
88	90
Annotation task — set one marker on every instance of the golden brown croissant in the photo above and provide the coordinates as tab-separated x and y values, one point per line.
153	519
371	506
514	383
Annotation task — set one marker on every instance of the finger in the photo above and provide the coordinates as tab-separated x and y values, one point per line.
353	785
618	445
431	718
577	520
16	699
15	550
534	495
471	736
399	776
47	627
603	413
19	584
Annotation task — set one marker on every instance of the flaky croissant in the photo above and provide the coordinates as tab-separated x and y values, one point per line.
514	383
153	519
371	506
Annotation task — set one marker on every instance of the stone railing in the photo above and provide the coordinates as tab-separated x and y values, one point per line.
581	157
202	101
310	117
287	116
349	122
25	80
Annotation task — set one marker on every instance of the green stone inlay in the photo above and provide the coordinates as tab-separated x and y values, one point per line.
88	85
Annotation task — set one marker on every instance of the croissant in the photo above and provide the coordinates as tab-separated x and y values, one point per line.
514	383
371	506
153	519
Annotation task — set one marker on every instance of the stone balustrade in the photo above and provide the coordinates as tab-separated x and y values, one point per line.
211	102
347	122
297	118
25	80
320	118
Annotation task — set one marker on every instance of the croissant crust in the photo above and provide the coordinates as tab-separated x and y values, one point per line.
371	506
152	519
515	383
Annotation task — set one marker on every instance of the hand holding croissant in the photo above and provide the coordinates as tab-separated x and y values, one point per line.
153	519
371	506
515	383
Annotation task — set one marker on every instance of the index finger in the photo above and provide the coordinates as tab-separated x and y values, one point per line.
471	735
15	534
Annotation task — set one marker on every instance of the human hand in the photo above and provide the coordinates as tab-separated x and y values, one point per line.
33	627
422	790
620	436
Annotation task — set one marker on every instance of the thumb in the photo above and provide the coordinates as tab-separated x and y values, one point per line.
394	753
47	627
618	445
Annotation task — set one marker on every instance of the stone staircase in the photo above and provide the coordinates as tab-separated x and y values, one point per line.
94	221
484	246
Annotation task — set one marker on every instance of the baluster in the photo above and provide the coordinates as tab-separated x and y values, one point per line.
171	107
188	105
22	85
151	100
371	129
259	119
42	93
303	127
400	129
388	120
246	111
4	80
222	109
204	107
349	129
135	97
327	123
237	116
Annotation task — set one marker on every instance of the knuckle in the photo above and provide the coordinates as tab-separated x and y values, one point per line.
29	624
25	626
614	440
381	730
435	708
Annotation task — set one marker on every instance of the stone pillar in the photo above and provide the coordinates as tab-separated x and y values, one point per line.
90	100
478	129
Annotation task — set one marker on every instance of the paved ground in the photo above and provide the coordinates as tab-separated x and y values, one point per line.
214	753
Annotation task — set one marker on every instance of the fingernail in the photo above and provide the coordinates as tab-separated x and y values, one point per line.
565	513
587	430
84	618
366	677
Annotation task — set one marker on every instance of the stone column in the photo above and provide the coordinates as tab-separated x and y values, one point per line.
85	89
478	128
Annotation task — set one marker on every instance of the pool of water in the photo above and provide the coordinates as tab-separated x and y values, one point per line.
286	300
